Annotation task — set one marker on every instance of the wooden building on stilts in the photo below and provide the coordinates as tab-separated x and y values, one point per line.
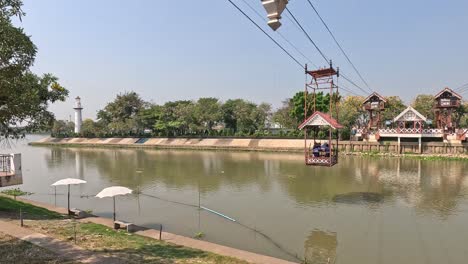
446	103
374	104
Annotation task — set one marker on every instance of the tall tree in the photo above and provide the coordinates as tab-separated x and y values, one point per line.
461	115
424	103
62	128
319	100
208	112
393	107
120	115
282	115
351	112
24	96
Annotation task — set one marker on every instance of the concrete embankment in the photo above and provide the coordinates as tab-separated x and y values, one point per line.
291	145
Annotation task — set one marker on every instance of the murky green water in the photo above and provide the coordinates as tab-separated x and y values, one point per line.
364	210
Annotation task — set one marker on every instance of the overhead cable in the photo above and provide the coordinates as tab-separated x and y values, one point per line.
339	46
264	32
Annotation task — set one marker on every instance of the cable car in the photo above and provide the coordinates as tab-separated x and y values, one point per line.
323	152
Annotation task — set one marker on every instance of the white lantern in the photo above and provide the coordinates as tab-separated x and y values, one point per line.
274	8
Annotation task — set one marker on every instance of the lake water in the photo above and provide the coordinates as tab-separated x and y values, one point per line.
363	210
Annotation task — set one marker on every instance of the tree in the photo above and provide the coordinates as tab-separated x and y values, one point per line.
228	110
461	115
243	117
175	118
89	128
282	115
62	128
207	112
24	96
321	102
424	103
351	112
120	115
393	107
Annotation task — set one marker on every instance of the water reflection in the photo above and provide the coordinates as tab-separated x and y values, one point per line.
320	247
428	185
365	200
13	180
358	197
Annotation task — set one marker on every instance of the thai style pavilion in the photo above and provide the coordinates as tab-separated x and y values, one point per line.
374	104
445	103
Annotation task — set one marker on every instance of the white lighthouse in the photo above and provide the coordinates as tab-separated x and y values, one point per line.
78	119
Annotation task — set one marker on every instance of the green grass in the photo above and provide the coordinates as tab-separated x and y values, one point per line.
430	158
10	206
15	192
18	251
131	248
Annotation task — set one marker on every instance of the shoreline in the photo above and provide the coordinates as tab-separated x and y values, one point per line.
347	148
189	242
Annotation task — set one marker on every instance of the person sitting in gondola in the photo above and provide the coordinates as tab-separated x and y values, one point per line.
326	149
316	150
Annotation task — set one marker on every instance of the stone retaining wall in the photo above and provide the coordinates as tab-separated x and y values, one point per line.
295	145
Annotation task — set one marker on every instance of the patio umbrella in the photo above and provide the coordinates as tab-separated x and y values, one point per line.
68	181
113	192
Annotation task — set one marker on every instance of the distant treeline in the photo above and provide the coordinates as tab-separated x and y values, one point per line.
130	116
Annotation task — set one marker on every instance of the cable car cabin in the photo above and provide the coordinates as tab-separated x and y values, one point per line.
323	153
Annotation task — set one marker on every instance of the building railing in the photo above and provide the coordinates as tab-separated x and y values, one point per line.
5	163
404	131
321	161
373	107
447	103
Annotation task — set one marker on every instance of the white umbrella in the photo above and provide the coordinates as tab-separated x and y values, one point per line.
68	181
112	192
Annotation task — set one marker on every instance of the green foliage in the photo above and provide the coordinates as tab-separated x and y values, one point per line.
30	211
15	192
119	117
423	103
61	128
321	102
351	112
243	117
461	115
208	113
393	107
199	235
24	96
283	117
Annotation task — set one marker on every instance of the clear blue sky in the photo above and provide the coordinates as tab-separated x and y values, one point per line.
185	49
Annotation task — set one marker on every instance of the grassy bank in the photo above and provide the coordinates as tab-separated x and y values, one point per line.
10	208
376	154
101	240
17	251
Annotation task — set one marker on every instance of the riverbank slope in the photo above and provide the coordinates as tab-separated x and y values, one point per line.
253	144
95	237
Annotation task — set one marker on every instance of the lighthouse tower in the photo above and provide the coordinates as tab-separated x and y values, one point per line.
78	119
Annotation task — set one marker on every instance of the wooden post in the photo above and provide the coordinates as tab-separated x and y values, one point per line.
21	217
114	207
160	232
69	199
399	147
420	147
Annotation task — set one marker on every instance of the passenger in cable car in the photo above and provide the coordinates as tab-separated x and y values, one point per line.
326	149
316	150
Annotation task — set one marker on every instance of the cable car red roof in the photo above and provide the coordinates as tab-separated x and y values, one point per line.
322	73
320	119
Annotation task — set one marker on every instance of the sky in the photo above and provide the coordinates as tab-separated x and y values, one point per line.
186	49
